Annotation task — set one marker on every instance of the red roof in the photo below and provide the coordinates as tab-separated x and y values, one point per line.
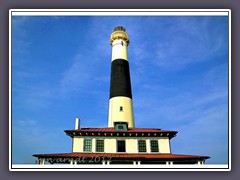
150	132
122	155
130	130
112	132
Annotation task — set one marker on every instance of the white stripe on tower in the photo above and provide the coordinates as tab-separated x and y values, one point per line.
120	102
119	50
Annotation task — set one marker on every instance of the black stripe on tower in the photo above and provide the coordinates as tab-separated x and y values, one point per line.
120	84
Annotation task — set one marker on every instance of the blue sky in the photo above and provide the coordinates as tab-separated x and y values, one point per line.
61	70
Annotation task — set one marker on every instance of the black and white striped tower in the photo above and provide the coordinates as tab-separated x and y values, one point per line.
120	102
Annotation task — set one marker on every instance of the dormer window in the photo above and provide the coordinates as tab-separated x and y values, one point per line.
120	126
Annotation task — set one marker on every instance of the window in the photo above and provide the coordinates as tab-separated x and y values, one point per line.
121	146
121	109
120	127
142	146
87	145
119	28
100	146
154	146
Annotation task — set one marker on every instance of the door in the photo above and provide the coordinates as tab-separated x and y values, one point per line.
121	146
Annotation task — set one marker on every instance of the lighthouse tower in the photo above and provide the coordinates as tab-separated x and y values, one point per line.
120	101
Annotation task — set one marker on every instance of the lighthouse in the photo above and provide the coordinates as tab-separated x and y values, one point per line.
120	115
121	142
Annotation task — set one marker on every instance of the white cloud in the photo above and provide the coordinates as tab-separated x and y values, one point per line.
76	76
31	137
18	23
199	114
186	41
206	134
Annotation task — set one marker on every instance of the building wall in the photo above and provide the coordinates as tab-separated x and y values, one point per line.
110	144
131	145
77	144
164	145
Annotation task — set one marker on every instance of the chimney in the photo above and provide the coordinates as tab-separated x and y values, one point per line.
77	123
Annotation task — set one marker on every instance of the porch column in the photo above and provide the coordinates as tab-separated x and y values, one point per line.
169	162
41	161
201	162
